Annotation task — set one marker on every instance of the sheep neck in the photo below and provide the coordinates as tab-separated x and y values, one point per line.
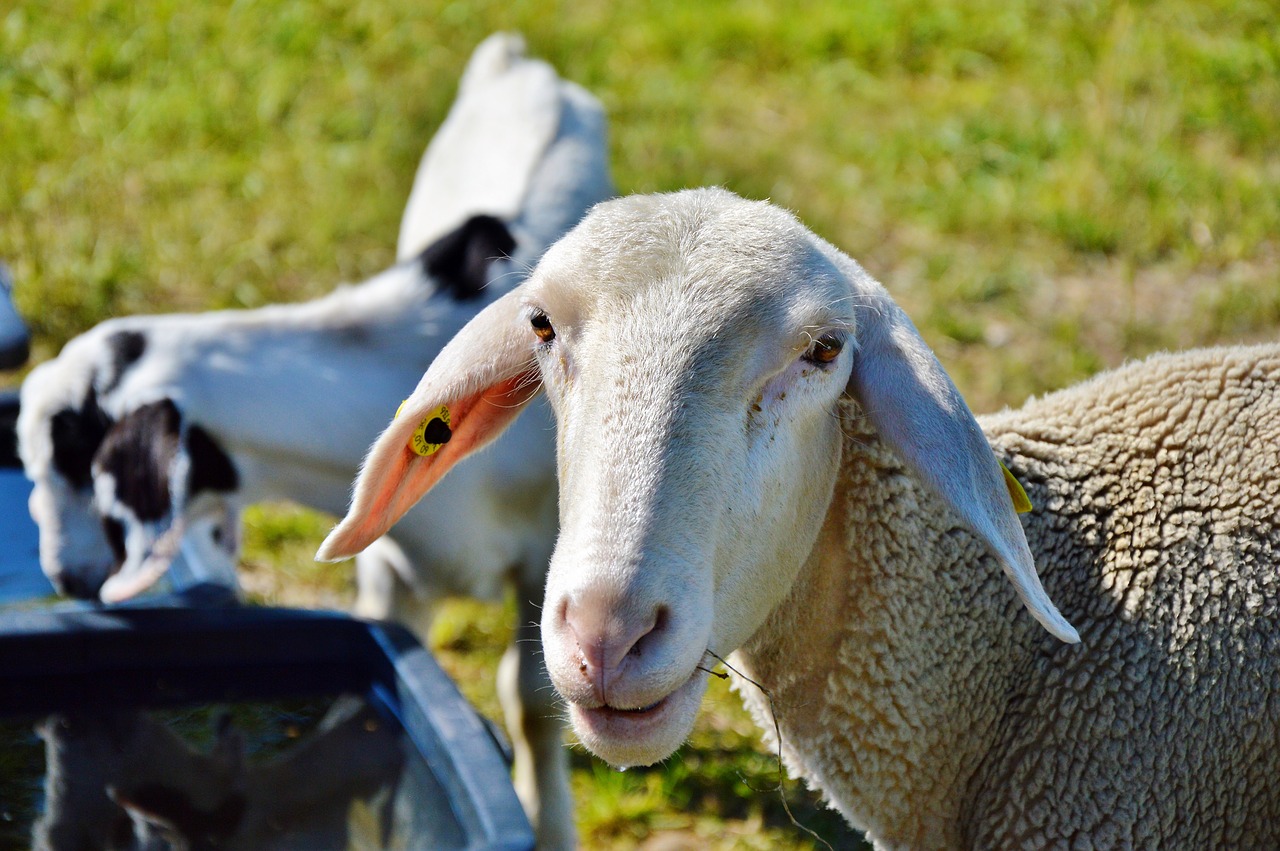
881	701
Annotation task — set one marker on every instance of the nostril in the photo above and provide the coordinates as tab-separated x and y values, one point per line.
73	585
604	635
660	617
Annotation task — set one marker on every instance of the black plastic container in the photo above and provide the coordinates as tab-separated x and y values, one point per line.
201	647
102	684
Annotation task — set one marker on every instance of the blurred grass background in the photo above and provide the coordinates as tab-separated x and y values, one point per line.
1048	189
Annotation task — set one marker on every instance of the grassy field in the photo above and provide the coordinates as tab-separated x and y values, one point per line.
1048	189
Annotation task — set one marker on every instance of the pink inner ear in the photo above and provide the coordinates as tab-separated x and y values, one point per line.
476	420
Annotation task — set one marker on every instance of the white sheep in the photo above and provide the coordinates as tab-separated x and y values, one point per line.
149	433
758	454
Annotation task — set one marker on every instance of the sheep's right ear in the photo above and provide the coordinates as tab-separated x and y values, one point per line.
473	390
917	410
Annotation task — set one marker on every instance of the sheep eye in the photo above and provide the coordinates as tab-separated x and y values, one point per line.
542	327
825	349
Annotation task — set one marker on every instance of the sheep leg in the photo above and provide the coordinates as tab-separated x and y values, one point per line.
383	592
534	722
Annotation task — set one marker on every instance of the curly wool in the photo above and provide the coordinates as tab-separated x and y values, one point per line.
912	689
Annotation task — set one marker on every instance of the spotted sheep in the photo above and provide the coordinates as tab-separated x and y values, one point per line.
148	435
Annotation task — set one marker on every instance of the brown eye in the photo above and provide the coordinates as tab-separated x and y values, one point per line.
825	349
542	327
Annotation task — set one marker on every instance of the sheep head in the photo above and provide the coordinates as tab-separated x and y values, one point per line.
60	427
114	493
694	347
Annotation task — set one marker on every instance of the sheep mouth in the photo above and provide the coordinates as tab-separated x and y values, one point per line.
610	721
631	713
640	735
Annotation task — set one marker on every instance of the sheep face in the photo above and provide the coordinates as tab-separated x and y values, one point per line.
696	401
60	427
694	348
113	495
78	551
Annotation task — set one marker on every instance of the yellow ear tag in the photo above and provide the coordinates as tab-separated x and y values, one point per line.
432	433
1021	502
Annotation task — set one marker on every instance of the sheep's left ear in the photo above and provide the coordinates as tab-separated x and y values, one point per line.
917	410
472	391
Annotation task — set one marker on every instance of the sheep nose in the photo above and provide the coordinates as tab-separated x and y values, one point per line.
607	636
70	583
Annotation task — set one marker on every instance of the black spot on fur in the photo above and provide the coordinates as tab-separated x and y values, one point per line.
138	452
211	468
125	347
437	431
113	529
459	261
76	436
9	431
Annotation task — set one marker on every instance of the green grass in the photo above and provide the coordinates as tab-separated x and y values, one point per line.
1048	189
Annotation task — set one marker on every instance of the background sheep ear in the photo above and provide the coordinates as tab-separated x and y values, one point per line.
473	390
917	410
